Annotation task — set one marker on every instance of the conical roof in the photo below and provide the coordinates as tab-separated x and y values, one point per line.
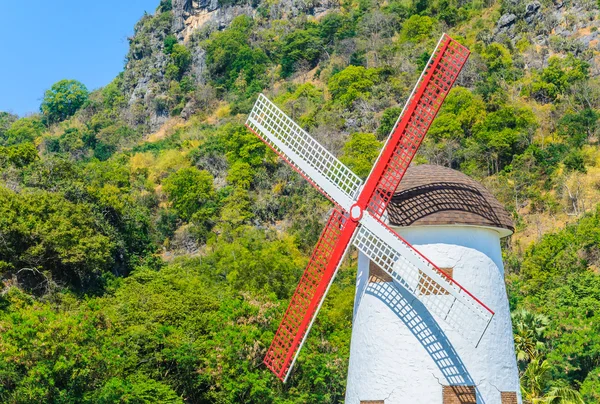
436	195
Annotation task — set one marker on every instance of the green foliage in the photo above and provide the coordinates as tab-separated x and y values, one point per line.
191	192
113	96
23	130
417	28
144	266
165	6
48	238
388	120
360	153
574	161
505	132
232	62
169	43
63	99
557	77
6	120
556	280
528	330
137	389
577	128
300	46
335	26
458	116
20	155
242	145
352	83
182	57
497	58
590	389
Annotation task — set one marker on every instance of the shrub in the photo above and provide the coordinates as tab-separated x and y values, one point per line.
352	83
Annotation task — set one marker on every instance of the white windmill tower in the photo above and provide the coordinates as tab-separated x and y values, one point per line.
360	218
399	353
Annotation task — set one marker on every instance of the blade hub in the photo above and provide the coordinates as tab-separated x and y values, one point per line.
356	213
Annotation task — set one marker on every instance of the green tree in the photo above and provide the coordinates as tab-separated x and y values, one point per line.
169	42
6	120
497	58
165	6
590	389
388	120
360	153
191	192
417	28
298	46
63	99
182	57
47	238
352	83
577	128
230	57
557	77
528	330
138	389
19	155
23	130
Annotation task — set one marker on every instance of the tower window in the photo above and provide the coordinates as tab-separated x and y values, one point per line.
428	286
376	274
459	395
508	397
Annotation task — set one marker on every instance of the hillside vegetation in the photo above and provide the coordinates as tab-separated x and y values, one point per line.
149	243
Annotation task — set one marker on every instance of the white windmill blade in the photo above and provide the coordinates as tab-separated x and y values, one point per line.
304	153
442	296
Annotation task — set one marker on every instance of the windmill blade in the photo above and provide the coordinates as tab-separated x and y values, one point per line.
442	296
421	108
321	168
309	294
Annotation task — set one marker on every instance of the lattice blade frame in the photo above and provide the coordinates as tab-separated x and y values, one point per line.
442	296
329	175
431	89
310	294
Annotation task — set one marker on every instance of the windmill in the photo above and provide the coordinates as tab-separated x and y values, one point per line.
359	214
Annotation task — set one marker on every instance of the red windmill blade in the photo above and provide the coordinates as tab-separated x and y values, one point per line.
357	217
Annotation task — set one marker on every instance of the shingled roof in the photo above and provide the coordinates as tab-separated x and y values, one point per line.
436	195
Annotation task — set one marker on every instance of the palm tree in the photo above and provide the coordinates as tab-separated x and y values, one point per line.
534	380
534	383
563	395
528	331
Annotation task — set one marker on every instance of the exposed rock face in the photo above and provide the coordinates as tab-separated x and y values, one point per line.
184	9
145	80
531	11
506	21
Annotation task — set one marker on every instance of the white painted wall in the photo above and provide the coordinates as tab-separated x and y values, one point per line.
400	354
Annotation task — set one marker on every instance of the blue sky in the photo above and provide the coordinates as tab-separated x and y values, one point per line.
42	42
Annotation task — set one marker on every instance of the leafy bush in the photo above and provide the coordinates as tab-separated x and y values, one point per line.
169	42
182	57
23	130
352	83
388	120
557	77
360	152
417	28
300	46
49	239
191	193
577	128
232	62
